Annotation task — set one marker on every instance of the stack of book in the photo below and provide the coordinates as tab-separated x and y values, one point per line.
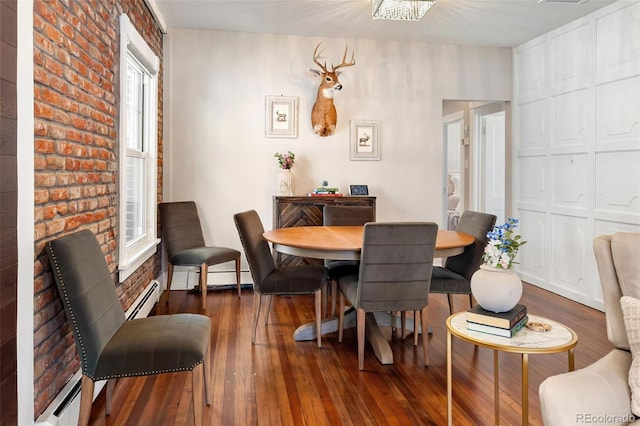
505	324
325	192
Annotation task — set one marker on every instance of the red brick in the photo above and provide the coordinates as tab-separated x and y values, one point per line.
50	97
64	179
53	34
61	116
59	85
41	196
39	231
39	162
58	194
53	66
75	193
49	212
69	105
56	132
55	226
42	110
72	164
44	146
74	135
40	128
40	75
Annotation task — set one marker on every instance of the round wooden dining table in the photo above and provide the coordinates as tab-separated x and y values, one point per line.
345	243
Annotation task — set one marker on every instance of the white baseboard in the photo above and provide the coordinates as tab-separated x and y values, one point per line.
188	278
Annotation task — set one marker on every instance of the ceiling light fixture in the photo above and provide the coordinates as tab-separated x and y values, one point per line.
400	10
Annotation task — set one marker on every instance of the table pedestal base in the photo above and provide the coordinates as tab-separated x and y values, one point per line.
374	320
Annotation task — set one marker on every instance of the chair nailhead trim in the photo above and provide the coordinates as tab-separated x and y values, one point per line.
147	373
73	317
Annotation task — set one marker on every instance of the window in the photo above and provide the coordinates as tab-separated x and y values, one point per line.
138	150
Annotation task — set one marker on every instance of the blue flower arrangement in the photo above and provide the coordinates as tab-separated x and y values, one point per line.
503	245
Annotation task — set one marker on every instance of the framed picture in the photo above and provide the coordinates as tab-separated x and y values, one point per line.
365	140
281	117
358	190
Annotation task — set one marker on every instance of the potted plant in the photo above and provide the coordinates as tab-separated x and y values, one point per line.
285	182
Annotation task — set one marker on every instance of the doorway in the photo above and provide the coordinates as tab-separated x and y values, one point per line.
488	153
476	171
453	130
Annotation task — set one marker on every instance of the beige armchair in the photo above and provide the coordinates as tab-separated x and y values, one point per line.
599	393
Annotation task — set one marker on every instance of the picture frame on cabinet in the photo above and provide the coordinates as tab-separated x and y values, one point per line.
365	140
281	117
357	190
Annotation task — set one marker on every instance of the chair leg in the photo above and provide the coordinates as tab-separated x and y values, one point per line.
207	375
450	300
341	318
416	315
334	294
424	320
111	383
361	327
266	315
169	279
324	301
196	380
319	294
403	323
204	271
257	299
238	275
86	400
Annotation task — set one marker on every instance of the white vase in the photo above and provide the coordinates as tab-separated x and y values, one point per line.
285	182
495	289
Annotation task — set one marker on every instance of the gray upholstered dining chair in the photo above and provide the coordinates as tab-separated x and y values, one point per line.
394	275
344	216
184	242
455	276
111	347
271	281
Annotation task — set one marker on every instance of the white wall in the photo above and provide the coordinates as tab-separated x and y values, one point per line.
26	191
216	152
577	97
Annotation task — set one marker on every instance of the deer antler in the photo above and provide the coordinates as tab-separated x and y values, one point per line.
344	57
316	55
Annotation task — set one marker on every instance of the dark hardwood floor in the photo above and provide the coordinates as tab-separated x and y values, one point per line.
282	382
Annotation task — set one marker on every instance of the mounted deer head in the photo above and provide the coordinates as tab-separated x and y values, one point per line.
323	114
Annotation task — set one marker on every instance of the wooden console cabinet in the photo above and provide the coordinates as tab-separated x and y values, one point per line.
307	211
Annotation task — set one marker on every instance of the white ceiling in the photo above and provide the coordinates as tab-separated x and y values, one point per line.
504	23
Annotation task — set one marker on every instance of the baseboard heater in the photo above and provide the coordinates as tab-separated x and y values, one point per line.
65	408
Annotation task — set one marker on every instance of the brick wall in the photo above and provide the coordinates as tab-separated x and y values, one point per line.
76	107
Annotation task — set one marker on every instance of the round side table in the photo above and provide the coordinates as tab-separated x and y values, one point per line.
559	339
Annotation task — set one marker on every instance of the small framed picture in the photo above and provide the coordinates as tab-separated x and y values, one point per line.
281	119
358	190
365	140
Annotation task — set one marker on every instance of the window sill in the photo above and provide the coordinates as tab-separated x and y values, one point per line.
142	255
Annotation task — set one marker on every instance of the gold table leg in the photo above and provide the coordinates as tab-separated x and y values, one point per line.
449	379
572	364
525	389
496	387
